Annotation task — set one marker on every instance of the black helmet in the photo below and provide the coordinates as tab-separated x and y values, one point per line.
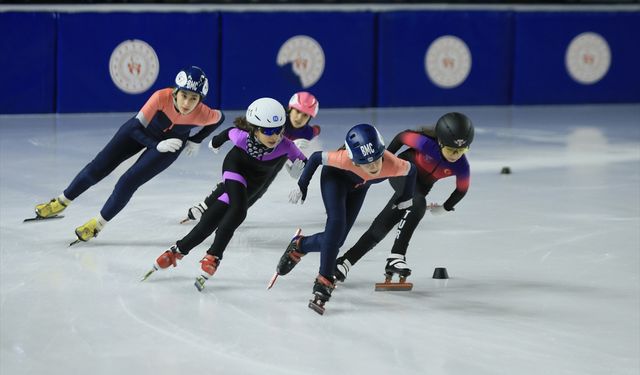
454	130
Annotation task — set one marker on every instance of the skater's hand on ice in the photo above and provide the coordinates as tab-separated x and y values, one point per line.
436	209
297	193
191	148
403	205
214	149
169	145
295	168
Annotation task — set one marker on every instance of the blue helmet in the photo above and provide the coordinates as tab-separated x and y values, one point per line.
193	79
364	144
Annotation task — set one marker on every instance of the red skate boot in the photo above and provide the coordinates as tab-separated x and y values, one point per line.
209	264
166	259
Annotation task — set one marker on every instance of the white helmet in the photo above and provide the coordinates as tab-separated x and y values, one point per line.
266	113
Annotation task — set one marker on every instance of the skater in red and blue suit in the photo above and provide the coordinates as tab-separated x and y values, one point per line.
303	106
436	154
172	121
346	177
245	169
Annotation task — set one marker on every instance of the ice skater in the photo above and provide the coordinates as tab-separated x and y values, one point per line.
252	161
437	154
345	179
303	106
163	126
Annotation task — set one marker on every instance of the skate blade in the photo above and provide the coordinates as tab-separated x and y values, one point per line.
272	281
38	218
146	275
199	284
75	242
185	220
313	305
393	287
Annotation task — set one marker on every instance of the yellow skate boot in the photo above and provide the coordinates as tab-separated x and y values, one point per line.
51	208
88	230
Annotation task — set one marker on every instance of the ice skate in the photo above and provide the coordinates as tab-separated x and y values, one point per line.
194	212
289	259
168	258
49	210
87	231
322	289
396	264
209	264
342	268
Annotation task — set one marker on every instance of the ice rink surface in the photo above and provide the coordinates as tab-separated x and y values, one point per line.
544	263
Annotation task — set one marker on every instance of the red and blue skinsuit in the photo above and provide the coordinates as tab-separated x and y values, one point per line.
424	152
157	120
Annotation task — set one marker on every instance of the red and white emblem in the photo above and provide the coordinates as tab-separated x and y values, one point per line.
588	58
448	61
134	66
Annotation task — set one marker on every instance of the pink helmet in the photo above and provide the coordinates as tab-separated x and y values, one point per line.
304	102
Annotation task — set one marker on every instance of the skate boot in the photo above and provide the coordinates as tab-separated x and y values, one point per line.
291	255
322	289
396	264
50	209
342	268
209	264
289	259
88	230
168	258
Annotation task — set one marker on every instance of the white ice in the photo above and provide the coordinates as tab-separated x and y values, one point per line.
544	263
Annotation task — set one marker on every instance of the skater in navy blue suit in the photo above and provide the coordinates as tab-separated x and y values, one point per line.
346	177
164	127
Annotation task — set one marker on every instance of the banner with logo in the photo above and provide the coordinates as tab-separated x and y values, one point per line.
330	54
444	58
27	61
576	57
113	62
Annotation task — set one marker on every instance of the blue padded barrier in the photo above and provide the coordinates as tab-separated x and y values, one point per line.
28	61
601	66
330	54
444	58
140	52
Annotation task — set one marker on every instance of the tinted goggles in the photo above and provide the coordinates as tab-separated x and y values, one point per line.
271	131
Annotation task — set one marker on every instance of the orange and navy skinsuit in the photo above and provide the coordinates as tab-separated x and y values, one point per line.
424	152
344	187
157	120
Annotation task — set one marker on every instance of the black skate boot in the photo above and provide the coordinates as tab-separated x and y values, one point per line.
322	289
289	259
291	255
396	264
342	269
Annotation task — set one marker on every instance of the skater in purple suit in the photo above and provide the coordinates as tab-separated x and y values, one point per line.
256	155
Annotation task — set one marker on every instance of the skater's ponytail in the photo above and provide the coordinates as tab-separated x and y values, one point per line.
242	124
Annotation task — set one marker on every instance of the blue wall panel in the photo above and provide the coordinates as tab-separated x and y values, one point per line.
405	37
542	39
251	43
87	40
27	61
